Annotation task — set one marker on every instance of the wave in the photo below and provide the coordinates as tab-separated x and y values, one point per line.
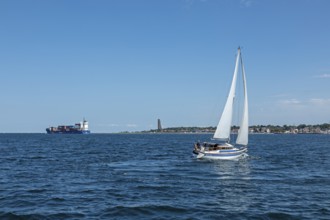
139	211
14	216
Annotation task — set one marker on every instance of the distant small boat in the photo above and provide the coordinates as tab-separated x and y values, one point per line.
78	128
223	149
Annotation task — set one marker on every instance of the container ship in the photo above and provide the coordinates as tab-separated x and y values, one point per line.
78	128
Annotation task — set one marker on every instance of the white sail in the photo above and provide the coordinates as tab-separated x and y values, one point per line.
224	126
243	133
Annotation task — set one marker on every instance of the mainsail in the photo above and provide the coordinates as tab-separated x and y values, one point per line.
243	133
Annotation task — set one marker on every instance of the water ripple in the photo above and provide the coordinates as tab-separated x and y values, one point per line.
155	177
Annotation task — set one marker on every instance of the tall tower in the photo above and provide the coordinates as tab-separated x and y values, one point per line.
159	127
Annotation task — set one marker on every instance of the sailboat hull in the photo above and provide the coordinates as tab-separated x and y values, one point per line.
222	154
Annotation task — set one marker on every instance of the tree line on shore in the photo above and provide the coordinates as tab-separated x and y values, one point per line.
302	128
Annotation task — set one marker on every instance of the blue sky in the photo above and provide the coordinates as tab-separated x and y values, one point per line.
122	64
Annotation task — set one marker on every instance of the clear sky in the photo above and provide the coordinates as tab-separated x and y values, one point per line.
122	64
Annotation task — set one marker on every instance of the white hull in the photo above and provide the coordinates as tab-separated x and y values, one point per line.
224	152
223	156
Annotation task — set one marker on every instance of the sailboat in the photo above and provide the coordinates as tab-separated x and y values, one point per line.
221	148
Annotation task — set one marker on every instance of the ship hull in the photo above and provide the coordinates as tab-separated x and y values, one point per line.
68	132
49	131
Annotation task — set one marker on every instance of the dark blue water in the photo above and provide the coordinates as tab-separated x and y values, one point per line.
154	177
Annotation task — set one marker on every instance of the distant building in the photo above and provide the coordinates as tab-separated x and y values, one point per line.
159	125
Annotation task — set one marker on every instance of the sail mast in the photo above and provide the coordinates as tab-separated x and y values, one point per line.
224	126
243	133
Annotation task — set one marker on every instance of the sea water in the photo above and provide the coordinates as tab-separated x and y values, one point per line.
154	176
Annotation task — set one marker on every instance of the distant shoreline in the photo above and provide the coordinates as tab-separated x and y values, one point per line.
255	129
